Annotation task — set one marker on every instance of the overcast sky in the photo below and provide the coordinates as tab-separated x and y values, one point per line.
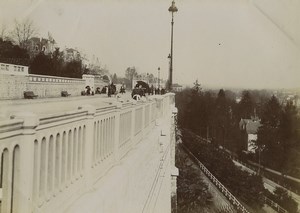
223	43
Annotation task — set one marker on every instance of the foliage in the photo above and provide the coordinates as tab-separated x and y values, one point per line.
245	186
279	135
282	197
57	63
41	65
209	114
9	50
55	66
246	105
192	192
73	69
289	134
216	116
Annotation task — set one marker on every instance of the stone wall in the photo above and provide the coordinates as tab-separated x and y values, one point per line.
12	86
50	86
285	14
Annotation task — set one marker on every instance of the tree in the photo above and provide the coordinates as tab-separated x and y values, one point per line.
268	136
115	78
260	98
192	192
246	105
9	50
41	65
151	78
283	199
3	33
245	186
73	69
23	31
289	135
57	62
289	125
221	117
130	73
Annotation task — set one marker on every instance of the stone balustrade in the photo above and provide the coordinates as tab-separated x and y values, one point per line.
48	162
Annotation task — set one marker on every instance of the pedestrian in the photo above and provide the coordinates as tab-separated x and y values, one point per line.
109	90
88	90
141	91
122	90
152	89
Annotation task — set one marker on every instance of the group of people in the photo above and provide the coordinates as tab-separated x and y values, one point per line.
138	92
110	90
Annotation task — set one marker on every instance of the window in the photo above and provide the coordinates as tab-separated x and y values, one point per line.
22	69
7	67
2	67
19	69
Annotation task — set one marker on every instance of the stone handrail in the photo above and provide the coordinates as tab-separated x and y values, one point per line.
53	79
47	162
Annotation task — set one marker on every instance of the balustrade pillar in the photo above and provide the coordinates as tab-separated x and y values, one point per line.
132	134
143	130
23	181
88	143
116	133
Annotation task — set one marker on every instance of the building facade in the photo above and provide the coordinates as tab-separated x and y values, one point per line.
249	128
38	45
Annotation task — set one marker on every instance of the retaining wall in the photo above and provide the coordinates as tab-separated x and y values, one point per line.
13	86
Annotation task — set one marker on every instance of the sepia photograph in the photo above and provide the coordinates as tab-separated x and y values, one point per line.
149	106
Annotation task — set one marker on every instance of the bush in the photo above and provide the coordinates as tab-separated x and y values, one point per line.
192	192
245	186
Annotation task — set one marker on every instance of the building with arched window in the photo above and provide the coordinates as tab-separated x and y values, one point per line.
41	45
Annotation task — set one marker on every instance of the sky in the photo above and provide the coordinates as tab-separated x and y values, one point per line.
222	43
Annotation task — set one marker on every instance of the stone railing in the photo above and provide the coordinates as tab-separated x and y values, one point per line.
51	86
53	79
48	162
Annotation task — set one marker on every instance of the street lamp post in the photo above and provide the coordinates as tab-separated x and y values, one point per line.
172	9
158	80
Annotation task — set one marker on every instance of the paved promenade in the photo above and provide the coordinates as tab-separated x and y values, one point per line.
55	105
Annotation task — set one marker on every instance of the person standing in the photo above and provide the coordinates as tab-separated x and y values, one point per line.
109	90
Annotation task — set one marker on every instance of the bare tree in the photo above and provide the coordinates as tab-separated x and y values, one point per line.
23	31
3	32
130	73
